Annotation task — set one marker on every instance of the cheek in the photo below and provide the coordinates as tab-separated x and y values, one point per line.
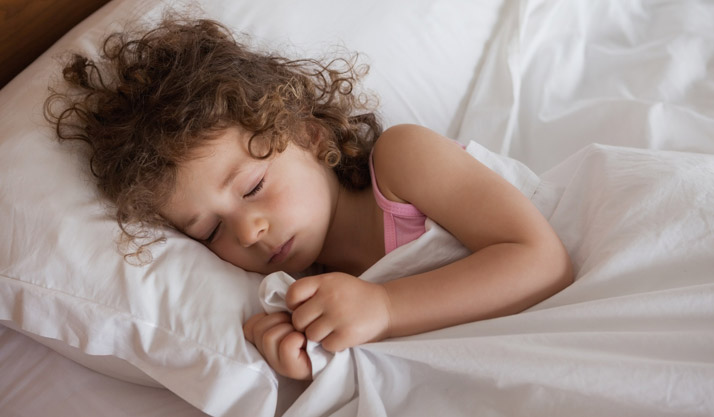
234	254
223	250
306	199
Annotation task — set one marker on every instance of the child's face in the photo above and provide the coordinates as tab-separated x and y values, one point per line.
261	215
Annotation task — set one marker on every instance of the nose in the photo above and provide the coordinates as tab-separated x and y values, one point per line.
250	228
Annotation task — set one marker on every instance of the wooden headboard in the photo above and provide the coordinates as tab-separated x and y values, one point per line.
29	27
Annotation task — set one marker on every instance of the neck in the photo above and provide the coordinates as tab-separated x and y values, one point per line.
355	240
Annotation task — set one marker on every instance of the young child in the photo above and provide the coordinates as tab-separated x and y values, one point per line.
277	164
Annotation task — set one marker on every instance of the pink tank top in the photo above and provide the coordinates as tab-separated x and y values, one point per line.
402	222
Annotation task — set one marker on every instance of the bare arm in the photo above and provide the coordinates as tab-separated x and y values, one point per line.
517	258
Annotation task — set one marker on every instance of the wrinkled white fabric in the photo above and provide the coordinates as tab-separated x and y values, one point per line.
561	74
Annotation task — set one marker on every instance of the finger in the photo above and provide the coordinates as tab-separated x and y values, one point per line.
301	290
319	329
294	357
305	314
270	343
250	324
335	342
266	322
293	342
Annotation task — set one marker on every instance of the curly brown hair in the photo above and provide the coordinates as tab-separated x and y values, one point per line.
153	98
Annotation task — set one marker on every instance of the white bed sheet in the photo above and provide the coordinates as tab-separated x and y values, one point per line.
561	74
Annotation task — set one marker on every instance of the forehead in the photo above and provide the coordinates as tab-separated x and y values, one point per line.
206	169
218	142
208	161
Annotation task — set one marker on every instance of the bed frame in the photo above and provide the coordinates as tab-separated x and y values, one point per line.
29	27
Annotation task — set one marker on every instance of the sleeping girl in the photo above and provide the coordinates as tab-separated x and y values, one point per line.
277	164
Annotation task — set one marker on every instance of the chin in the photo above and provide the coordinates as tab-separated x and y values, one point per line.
275	268
298	267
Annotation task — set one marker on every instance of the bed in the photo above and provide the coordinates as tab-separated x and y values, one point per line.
601	111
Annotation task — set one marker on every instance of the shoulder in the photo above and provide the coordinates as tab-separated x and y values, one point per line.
405	155
400	138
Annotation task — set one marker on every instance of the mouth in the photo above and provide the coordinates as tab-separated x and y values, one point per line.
282	252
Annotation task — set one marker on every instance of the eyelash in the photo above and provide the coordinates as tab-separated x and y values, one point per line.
212	236
257	189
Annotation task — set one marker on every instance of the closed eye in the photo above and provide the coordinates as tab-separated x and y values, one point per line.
255	189
212	236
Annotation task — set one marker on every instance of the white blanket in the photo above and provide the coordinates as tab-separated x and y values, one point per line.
633	336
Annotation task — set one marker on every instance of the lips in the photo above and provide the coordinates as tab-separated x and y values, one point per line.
282	252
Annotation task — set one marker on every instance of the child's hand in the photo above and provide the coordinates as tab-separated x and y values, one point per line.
281	346
339	310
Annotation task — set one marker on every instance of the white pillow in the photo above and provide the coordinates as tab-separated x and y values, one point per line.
177	321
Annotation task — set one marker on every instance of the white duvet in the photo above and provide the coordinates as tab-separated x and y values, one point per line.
633	336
